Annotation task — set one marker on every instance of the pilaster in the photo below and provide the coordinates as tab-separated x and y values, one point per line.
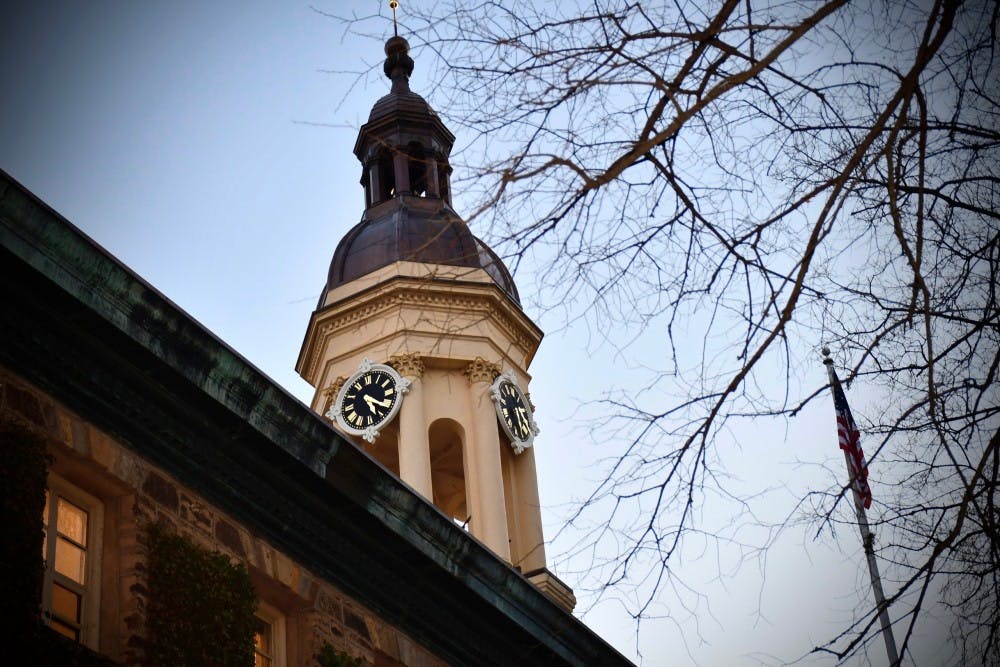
489	516
414	446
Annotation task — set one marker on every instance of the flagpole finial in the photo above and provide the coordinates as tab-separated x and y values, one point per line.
393	5
826	355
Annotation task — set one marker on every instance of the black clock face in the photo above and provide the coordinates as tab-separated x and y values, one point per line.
369	399
514	411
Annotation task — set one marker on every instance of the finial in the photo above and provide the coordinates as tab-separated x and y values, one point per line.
826	355
398	64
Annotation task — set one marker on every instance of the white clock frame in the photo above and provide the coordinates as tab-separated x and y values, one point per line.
369	433
516	443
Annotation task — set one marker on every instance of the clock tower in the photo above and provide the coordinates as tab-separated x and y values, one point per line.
418	347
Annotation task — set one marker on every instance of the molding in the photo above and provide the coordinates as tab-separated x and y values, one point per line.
553	587
466	300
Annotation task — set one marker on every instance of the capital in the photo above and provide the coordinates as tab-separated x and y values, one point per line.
480	370
330	393
410	365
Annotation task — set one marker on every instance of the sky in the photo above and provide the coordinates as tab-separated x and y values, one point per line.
207	145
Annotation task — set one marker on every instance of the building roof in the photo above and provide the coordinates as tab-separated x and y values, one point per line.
83	327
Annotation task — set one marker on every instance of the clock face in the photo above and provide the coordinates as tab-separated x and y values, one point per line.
513	411
368	399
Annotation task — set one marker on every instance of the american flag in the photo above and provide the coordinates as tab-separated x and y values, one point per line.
850	442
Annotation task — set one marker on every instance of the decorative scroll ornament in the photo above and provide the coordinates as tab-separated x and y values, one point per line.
369	399
514	412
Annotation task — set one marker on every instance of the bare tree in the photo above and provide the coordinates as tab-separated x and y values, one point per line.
766	178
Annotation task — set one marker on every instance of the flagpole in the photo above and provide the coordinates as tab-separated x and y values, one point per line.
867	541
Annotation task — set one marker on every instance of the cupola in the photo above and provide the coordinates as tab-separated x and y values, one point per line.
404	149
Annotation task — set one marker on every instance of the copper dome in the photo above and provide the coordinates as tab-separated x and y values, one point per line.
427	231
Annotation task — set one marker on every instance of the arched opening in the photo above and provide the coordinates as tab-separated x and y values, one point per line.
447	438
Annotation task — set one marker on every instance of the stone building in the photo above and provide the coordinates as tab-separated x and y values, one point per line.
396	520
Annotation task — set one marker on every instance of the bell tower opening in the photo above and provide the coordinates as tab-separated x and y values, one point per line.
446	439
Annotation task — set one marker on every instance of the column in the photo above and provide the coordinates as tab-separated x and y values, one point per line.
414	447
433	187
374	186
485	488
529	512
401	169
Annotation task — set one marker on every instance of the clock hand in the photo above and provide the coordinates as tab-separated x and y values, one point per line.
372	401
522	419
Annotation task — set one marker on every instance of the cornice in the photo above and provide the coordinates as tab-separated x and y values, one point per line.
480	300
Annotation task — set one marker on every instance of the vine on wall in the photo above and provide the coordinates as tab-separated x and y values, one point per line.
331	657
24	465
201	606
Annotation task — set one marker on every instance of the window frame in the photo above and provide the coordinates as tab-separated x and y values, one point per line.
90	591
276	621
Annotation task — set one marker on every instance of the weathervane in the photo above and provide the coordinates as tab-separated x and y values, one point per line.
393	5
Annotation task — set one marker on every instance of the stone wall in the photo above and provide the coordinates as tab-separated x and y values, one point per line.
134	492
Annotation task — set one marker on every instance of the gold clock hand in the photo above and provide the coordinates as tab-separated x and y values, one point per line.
372	401
522	419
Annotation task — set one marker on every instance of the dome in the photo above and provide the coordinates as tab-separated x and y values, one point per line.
398	103
427	231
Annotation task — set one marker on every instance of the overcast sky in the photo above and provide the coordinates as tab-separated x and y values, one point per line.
204	145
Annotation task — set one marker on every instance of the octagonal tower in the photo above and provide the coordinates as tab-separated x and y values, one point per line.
411	287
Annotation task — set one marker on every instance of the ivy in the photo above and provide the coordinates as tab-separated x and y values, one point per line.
24	465
201	606
331	657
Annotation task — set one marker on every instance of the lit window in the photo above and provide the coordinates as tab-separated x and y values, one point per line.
269	637
71	550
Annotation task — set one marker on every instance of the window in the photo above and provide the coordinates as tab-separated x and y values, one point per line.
71	551
269	637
